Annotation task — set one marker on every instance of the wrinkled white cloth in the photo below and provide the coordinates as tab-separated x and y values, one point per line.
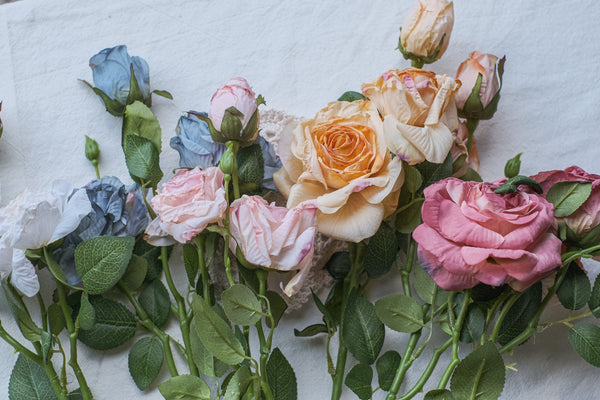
299	55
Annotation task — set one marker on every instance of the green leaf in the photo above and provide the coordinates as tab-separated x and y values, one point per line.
590	239
568	196
311	330
362	332
400	313
439	394
278	307
386	367
28	328
190	262
410	217
145	360
594	302
46	342
163	93
238	384
432	173
412	178
474	324
114	326
56	319
135	273
585	339
328	316
351	96
281	377
512	185
86	316
381	251
216	335
520	314
135	93
359	380
480	376
185	387
139	120
339	265
152	256
28	381
155	300
102	261
513	166
471	175
575	290
112	106
203	358
241	305
251	167
426	288
142	159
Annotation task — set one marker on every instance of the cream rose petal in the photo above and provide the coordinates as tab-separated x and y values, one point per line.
389	179
432	141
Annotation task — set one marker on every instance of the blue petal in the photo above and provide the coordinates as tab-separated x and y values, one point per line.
194	143
142	74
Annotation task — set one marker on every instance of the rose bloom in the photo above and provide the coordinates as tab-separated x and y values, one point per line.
236	93
274	237
587	215
471	234
429	22
419	113
190	201
469	70
339	162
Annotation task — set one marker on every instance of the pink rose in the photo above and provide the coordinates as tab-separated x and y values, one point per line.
471	234
236	93
274	237
587	216
190	201
468	72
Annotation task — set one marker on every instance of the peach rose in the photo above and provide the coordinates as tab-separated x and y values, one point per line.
419	113
459	148
274	237
468	72
428	27
340	162
190	201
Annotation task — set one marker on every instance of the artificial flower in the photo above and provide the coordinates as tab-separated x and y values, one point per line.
187	203
111	70
274	237
339	161
459	148
419	113
194	143
471	234
426	31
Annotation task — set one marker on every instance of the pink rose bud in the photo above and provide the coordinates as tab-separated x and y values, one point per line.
470	235
233	112
190	201
474	97
426	31
275	237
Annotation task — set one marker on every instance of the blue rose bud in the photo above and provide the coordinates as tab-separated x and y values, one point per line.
194	143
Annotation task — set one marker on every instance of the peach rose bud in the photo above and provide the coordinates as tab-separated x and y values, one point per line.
426	31
481	78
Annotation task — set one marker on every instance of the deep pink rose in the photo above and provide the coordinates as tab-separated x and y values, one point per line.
190	201
587	216
236	93
275	237
471	234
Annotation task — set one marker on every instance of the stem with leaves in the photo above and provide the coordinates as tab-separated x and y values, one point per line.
265	345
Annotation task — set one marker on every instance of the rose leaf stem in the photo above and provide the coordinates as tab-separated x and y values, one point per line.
73	333
418	387
148	206
471	126
456	329
200	248
235	145
184	321
416	63
147	323
532	326
351	281
226	259
43	311
503	313
264	344
491	312
95	164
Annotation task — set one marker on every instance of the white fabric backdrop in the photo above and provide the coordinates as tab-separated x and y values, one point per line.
299	55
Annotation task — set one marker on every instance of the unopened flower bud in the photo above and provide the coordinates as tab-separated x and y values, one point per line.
92	151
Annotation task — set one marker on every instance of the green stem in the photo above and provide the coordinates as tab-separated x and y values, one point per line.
226	259
505	309
147	323
491	312
184	321
338	378
43	311
200	240
264	344
406	270
456	329
95	164
235	145
471	126
73	333
416	63
148	206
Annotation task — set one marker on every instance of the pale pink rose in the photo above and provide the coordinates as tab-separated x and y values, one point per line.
340	162
418	111
469	70
190	201
429	22
236	93
274	237
471	234
587	216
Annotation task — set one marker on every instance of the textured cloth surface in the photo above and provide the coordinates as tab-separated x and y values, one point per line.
299	55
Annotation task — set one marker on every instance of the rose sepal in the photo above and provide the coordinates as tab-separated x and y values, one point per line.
512	185
473	108
419	59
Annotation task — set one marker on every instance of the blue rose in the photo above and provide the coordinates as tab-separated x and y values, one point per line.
111	69
117	210
272	162
194	143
